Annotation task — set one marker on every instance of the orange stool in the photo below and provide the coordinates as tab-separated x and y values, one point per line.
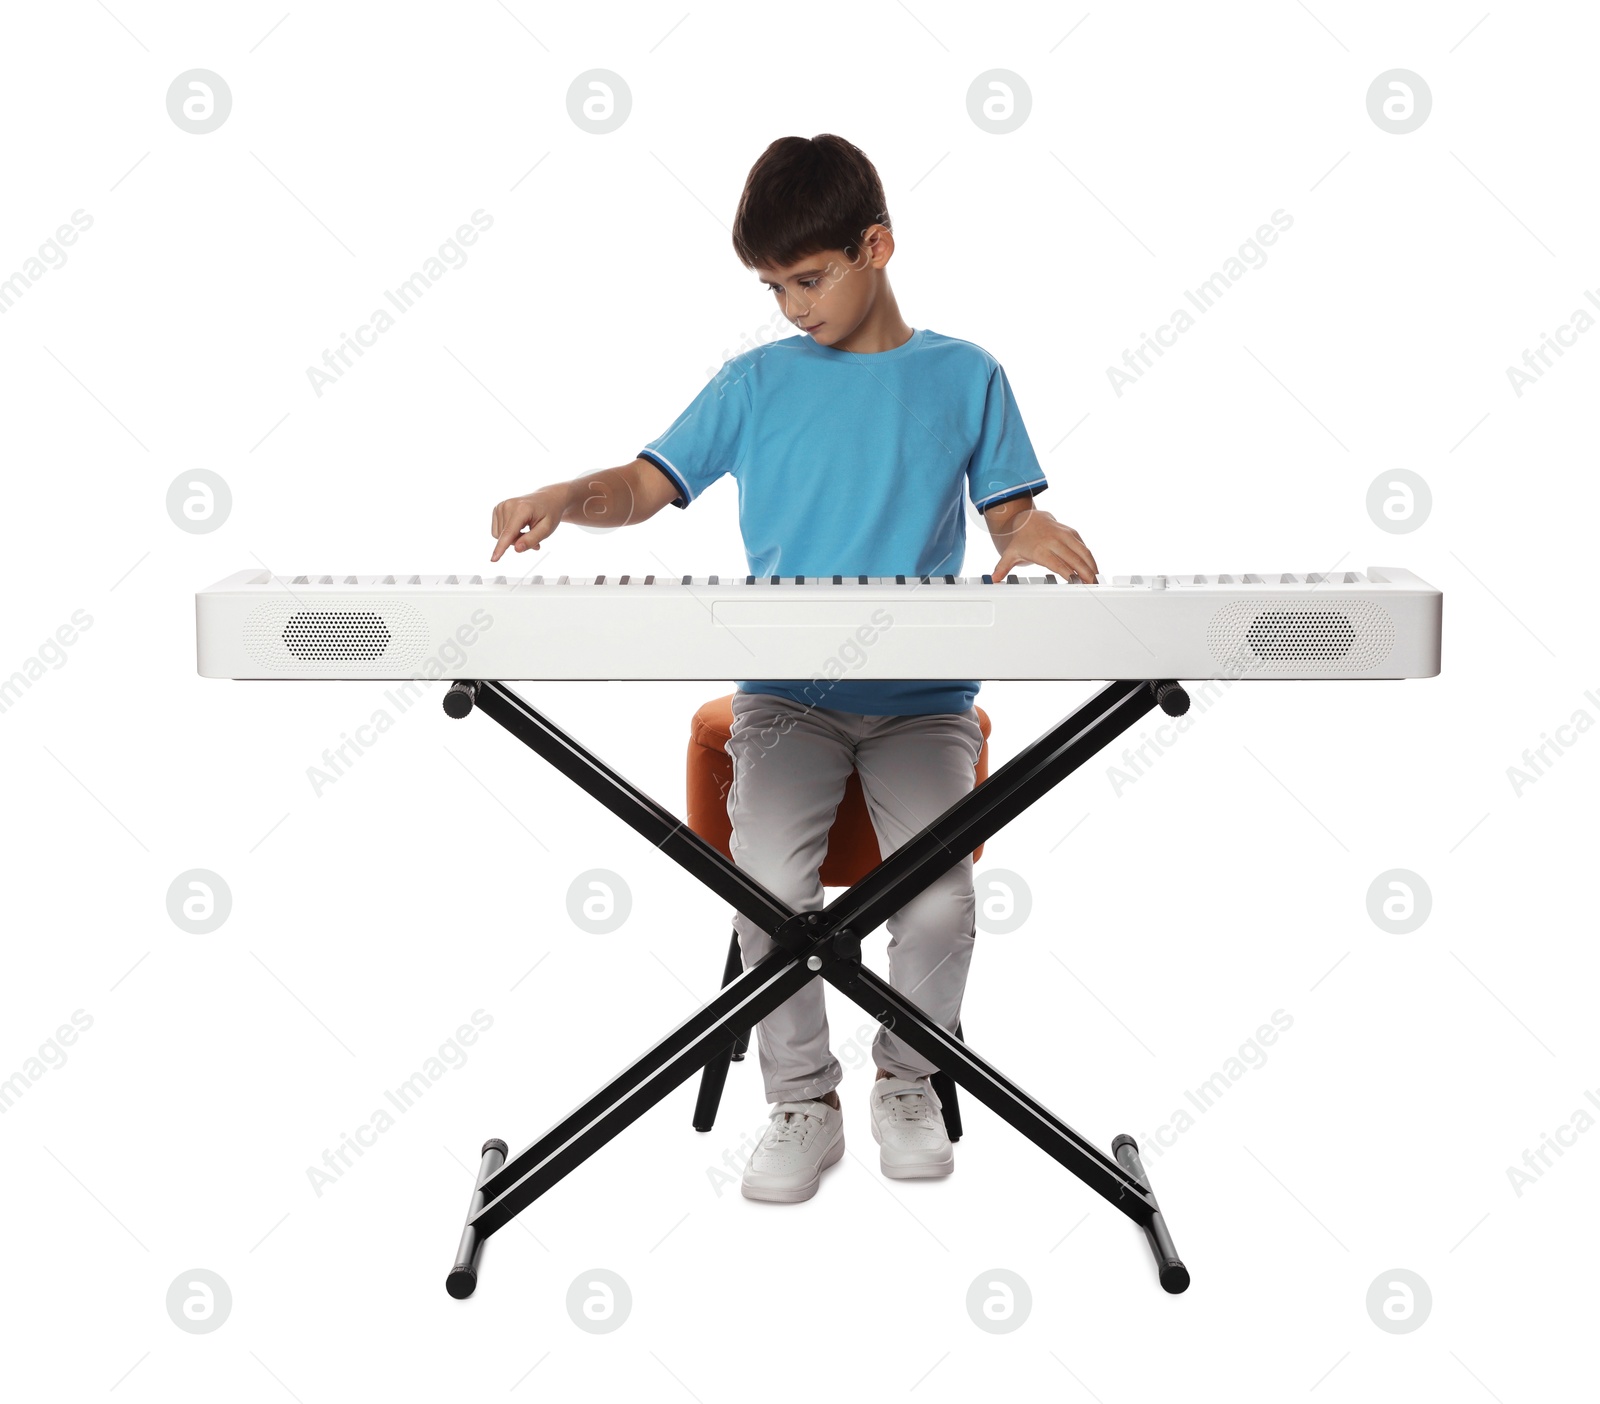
852	854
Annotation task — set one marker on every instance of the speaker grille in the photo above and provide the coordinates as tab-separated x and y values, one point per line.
1300	636
344	633
353	638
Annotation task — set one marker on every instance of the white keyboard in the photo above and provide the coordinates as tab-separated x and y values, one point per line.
1380	623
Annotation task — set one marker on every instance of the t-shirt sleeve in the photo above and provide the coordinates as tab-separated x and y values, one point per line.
1003	464
709	438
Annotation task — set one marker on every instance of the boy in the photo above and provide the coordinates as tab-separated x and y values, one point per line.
852	443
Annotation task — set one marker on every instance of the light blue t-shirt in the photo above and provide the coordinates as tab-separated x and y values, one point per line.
855	464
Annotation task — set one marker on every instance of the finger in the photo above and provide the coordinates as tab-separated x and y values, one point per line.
1088	555
1066	541
1007	563
538	528
1066	566
1071	544
1076	561
1054	557
1065	544
510	530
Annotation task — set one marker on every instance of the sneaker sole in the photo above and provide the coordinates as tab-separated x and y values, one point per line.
794	1194
916	1170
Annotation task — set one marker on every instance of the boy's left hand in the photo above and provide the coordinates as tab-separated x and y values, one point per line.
1040	539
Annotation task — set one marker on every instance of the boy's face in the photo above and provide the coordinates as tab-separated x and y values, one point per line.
825	294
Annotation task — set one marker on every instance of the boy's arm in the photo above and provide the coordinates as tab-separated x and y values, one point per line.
1023	533
612	497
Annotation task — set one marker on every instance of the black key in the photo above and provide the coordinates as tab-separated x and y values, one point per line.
949	580
988	580
899	580
625	579
1049	580
836	580
649	580
749	580
799	580
775	579
684	581
713	580
862	579
1011	580
599	580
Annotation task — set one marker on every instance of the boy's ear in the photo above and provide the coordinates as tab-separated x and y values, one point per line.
877	245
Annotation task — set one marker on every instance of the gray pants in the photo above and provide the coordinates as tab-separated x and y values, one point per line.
790	764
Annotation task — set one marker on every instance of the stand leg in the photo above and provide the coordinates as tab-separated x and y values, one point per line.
714	1075
949	1099
741	1040
910	1022
1174	1276
529	1172
463	1278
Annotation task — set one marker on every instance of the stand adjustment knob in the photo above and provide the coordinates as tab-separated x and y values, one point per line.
459	700
1171	698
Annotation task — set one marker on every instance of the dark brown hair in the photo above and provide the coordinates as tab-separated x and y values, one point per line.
803	196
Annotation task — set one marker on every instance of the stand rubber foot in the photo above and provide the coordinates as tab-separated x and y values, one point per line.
1169	1266
462	1281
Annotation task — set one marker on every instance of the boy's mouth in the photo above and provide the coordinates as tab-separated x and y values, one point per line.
812	327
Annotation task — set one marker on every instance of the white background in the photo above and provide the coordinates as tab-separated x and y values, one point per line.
1228	882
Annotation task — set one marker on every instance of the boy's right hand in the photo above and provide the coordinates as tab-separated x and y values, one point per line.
523	522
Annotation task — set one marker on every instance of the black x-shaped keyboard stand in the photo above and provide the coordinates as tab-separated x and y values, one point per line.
808	945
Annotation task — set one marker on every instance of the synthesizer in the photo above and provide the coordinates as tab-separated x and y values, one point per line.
1383	622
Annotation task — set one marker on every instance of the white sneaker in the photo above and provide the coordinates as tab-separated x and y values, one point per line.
908	1125
802	1140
